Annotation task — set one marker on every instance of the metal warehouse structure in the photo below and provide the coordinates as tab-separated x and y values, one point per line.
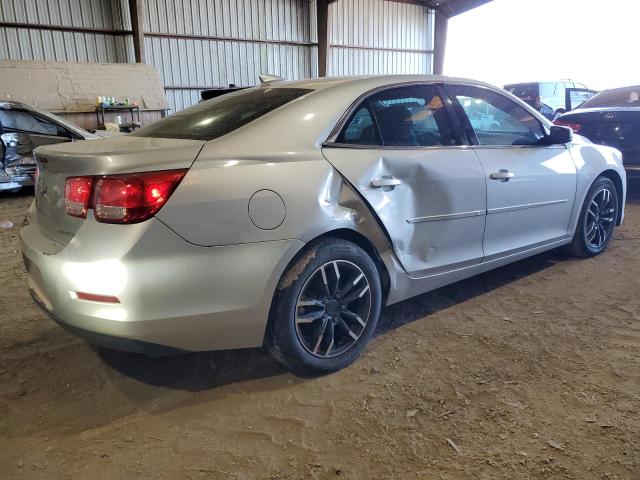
197	44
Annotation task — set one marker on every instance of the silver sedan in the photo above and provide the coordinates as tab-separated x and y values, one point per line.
289	214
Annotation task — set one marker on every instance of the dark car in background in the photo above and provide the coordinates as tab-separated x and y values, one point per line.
22	129
611	118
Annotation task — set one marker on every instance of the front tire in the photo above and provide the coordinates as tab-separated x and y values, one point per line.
597	220
325	308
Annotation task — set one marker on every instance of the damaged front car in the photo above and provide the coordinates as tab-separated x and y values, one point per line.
22	129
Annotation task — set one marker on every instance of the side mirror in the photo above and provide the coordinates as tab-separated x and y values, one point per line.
559	135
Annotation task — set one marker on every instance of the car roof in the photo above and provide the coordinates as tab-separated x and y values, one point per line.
537	82
315	115
373	81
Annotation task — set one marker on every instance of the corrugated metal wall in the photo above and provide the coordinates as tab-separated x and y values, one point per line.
66	46
203	43
197	44
376	36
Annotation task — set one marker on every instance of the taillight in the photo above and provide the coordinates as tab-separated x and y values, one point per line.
576	127
77	194
128	198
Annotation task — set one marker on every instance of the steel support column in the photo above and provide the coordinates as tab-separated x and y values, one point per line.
440	42
136	9
322	20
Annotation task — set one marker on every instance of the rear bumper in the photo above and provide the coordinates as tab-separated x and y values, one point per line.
108	341
172	294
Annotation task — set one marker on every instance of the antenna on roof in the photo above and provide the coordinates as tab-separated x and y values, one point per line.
266	80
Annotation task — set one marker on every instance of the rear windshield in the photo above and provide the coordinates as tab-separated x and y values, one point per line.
618	97
221	115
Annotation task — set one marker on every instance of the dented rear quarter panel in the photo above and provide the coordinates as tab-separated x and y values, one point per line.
280	152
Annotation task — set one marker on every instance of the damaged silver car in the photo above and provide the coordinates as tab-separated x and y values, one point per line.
290	214
22	129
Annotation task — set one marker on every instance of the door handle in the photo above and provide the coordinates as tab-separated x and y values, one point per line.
502	174
385	182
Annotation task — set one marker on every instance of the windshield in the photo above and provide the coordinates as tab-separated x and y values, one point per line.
221	115
618	97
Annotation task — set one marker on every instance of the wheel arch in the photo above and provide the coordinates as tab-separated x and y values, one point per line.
617	181
351	235
342	233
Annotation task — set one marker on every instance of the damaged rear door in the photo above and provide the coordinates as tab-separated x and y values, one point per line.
402	149
22	132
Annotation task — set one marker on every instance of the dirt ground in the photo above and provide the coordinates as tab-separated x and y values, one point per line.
531	371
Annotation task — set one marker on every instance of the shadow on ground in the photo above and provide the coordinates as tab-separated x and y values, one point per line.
207	370
195	371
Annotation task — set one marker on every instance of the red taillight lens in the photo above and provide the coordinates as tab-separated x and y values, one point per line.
135	197
77	194
576	127
129	198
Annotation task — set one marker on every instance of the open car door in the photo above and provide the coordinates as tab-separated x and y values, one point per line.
574	97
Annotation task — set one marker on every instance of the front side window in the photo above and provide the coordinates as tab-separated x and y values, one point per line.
411	116
221	115
497	120
26	122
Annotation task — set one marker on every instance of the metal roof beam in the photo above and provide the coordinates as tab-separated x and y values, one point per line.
451	8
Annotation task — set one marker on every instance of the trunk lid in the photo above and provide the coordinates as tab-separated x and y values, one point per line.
122	154
618	128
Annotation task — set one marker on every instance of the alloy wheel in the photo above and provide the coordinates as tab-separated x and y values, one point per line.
333	309
600	219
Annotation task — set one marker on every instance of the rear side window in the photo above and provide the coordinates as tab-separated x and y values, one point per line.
617	97
360	130
495	119
26	122
412	116
221	115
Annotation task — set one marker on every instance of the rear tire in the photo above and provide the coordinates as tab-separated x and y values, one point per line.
325	308
597	219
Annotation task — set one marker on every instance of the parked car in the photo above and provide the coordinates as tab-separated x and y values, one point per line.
22	129
611	118
265	215
551	95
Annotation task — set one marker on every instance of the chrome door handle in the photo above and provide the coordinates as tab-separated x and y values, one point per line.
502	174
383	182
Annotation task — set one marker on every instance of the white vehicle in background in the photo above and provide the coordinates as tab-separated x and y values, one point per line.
559	96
